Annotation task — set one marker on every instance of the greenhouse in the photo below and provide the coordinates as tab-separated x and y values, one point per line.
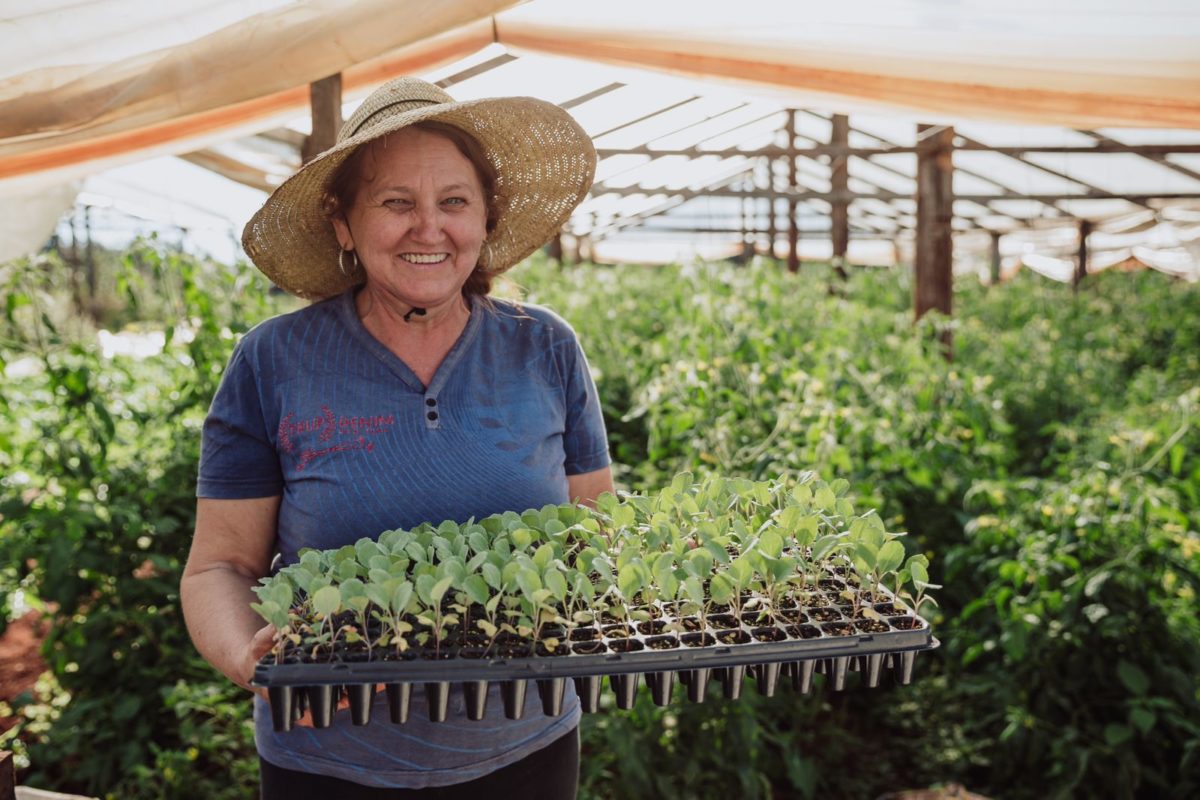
879	477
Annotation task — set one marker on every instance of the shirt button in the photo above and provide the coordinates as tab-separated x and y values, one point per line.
432	415
429	401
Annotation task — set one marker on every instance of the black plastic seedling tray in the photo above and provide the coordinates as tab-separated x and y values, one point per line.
834	646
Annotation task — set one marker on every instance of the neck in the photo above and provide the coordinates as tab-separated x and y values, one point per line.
389	318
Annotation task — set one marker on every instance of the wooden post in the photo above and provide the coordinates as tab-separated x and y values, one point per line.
8	776
933	284
554	248
325	97
772	233
995	252
90	258
1081	266
793	259
839	179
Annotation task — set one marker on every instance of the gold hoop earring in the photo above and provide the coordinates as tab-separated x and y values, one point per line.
489	256
342	263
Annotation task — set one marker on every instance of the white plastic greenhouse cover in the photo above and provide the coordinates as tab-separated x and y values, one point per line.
88	86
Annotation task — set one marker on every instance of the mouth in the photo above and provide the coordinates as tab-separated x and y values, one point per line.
424	259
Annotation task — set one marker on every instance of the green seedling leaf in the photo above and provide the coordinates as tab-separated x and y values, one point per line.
439	589
556	583
721	589
425	589
401	597
491	574
825	498
917	568
529	581
891	556
327	601
824	546
543	556
628	581
377	594
476	588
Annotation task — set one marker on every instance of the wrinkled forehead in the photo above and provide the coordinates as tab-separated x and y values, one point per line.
413	155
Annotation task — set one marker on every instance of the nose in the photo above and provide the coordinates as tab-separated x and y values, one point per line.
427	224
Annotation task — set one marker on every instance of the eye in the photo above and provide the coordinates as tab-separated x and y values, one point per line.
455	201
397	202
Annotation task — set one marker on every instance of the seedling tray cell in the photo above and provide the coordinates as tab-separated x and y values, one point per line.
765	655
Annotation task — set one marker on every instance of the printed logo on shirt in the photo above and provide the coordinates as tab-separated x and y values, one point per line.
333	433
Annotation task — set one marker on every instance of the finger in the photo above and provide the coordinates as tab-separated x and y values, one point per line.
264	639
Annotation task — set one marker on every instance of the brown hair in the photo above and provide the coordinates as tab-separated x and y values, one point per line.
343	187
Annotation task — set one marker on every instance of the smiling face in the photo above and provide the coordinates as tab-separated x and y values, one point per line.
418	218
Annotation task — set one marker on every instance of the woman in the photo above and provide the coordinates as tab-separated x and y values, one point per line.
406	395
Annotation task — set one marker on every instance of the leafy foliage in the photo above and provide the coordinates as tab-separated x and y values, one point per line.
1052	466
98	505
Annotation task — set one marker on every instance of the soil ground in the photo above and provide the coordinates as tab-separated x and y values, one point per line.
20	660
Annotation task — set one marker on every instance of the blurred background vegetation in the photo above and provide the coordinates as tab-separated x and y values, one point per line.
1051	470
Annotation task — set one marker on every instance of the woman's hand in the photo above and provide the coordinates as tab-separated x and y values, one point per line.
260	645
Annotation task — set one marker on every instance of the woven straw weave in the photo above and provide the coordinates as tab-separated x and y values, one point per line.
544	162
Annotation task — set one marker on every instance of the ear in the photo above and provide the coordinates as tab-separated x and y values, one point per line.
342	230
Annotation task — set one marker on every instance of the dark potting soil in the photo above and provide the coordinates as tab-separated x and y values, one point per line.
768	635
803	632
722	621
585	634
824	614
626	646
733	637
871	626
905	623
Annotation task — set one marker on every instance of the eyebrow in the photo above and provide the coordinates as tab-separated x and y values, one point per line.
453	187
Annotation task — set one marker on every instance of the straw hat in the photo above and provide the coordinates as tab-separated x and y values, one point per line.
544	164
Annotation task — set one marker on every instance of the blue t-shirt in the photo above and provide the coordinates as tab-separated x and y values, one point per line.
314	408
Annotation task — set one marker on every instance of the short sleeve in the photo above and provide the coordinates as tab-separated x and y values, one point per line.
585	439
237	458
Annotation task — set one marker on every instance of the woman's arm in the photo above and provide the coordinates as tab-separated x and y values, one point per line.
232	549
586	487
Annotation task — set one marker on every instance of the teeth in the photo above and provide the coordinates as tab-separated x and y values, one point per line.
424	258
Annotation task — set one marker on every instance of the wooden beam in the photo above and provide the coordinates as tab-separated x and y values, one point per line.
933	284
966	142
985	178
1158	158
839	183
830	197
231	168
645	117
1081	265
592	95
478	69
325	98
995	254
867	152
793	256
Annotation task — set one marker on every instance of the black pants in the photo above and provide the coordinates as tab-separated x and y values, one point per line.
551	773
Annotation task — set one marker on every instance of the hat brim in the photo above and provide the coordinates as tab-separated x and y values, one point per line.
544	161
